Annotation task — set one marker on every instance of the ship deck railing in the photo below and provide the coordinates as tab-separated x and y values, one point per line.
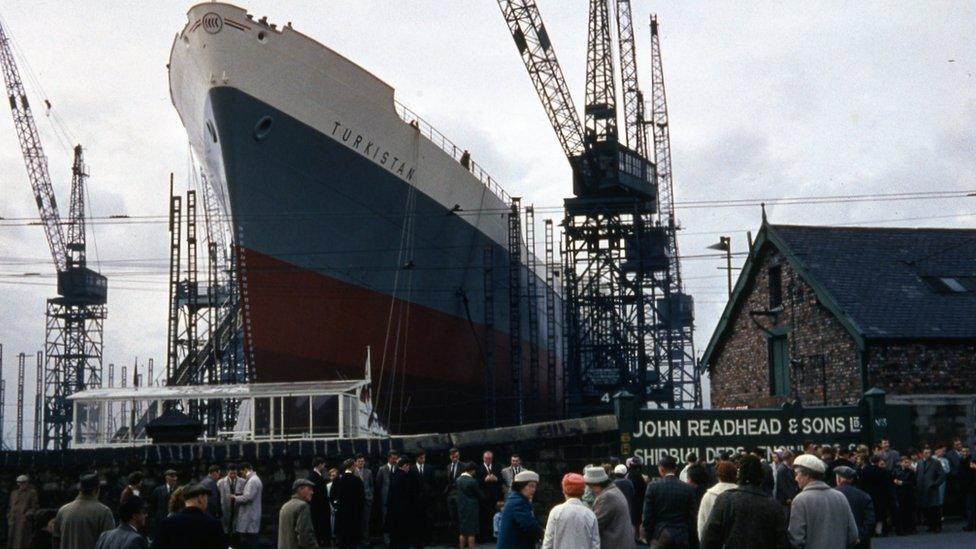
449	147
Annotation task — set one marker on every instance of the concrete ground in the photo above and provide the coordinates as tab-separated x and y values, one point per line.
952	536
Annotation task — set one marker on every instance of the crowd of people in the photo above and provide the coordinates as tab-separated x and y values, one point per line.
823	496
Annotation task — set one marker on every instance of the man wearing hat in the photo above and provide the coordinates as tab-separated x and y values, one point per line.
192	526
295	530
611	509
820	517
623	484
79	523
571	525
861	504
23	502
132	519
670	508
159	501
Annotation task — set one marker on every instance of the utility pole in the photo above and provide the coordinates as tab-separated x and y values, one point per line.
725	245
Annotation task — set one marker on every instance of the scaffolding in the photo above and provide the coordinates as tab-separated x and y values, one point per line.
532	300
514	308
205	317
39	401
491	410
21	367
550	319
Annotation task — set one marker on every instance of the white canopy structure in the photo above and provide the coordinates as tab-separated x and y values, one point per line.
310	410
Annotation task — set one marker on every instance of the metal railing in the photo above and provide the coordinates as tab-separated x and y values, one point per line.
451	149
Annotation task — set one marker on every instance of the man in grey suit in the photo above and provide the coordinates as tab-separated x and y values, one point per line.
383	478
132	518
366	475
508	473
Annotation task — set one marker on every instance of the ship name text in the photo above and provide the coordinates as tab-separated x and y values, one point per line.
372	150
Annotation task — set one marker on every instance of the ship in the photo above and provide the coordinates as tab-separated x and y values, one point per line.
360	230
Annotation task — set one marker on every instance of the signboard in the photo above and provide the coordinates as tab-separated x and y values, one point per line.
707	433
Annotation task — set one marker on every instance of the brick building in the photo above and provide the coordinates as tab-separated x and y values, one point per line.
824	313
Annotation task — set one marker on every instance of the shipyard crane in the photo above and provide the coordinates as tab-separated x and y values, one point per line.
73	327
676	310
616	257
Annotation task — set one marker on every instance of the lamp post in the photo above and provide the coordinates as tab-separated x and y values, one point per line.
725	244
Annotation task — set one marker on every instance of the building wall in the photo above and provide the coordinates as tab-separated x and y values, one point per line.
740	366
910	368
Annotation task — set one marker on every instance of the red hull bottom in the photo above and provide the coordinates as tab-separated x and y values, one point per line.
305	326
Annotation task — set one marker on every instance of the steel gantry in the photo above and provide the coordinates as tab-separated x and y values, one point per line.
674	309
618	254
73	327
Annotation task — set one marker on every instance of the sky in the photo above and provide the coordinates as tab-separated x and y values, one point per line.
766	100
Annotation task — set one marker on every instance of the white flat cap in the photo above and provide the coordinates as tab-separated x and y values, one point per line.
810	462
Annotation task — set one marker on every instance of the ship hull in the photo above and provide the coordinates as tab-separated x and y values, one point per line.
355	233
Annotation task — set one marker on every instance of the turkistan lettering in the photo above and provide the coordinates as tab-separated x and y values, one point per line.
371	150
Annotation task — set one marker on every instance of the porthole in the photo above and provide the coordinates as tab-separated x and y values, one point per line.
262	37
263	128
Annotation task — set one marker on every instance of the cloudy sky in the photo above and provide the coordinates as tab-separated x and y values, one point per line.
767	100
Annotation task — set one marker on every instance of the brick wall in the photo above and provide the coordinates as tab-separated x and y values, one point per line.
740	366
907	368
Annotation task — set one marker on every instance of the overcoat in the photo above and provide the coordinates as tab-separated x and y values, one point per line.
23	501
79	523
248	519
930	476
404	512
613	515
319	508
743	518
190	527
228	509
519	529
295	529
349	498
468	496
821	518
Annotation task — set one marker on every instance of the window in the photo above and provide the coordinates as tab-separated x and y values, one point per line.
775	287
779	374
951	284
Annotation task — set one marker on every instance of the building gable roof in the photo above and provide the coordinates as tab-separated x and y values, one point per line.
880	283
